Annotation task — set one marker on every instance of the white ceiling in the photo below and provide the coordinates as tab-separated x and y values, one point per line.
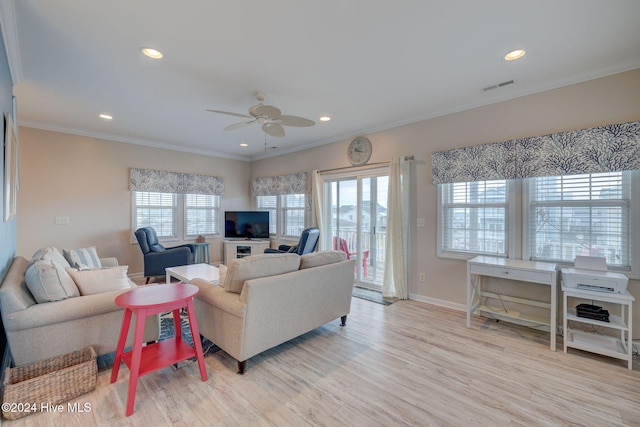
369	64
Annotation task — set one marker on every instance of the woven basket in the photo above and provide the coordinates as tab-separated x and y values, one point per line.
50	381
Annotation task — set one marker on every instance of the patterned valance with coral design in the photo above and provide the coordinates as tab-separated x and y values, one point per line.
297	183
174	182
610	148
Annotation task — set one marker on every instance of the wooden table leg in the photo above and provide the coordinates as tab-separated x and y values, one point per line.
124	330
195	334
136	358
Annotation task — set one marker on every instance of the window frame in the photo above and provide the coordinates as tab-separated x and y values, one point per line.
633	270
280	215
179	220
512	221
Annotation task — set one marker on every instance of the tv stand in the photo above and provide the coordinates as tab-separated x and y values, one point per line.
240	248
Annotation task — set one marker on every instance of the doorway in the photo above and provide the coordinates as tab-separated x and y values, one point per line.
356	209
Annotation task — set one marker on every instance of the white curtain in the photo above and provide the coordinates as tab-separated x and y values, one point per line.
317	190
395	283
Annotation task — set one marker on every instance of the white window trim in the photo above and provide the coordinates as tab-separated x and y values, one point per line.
514	223
179	222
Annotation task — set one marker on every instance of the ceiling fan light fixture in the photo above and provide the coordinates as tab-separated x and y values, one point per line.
514	54
151	52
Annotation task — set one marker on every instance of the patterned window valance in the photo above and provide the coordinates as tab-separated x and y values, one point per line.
174	182
296	183
610	148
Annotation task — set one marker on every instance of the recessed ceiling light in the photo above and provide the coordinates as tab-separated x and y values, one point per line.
325	118
244	145
151	53
514	54
106	116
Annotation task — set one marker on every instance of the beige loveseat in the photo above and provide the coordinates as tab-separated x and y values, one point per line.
37	331
265	300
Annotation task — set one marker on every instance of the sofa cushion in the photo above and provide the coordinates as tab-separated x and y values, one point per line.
99	280
50	253
252	267
83	258
316	259
47	281
222	274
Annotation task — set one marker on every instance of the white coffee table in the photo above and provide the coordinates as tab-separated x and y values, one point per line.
186	273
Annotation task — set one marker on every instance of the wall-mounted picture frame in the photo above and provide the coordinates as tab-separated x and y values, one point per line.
11	178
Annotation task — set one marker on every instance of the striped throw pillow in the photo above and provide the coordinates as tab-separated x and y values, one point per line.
83	258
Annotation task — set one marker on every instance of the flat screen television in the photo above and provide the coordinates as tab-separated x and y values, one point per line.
246	224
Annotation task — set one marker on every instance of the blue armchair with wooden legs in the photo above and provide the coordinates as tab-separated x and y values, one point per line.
307	244
157	257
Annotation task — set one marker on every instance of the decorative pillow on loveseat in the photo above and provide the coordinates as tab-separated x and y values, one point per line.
83	258
252	267
51	253
48	281
316	259
99	280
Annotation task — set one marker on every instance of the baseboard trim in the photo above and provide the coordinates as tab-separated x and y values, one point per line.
439	302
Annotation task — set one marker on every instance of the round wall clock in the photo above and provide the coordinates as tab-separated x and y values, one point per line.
359	151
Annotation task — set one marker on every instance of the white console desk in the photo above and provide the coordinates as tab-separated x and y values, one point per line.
518	270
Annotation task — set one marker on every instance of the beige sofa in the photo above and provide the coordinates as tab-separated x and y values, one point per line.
265	300
36	331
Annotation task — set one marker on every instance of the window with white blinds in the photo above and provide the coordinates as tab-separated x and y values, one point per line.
176	216
269	204
201	214
286	213
292	214
473	217
157	210
580	215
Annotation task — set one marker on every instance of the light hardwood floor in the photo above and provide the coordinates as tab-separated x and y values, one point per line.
407	364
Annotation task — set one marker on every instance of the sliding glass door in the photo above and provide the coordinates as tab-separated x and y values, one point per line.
356	212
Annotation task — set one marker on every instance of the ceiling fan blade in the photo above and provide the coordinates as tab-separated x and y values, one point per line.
230	113
239	125
295	121
269	111
273	129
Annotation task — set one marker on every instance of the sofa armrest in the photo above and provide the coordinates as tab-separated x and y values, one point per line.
218	298
61	311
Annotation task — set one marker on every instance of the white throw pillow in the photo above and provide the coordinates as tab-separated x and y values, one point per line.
52	254
83	258
48	281
252	267
99	280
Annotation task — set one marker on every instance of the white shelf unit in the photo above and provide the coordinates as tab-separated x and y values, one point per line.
542	273
619	347
241	248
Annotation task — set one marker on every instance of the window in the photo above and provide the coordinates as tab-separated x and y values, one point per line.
286	213
581	215
201	215
176	216
473	218
157	210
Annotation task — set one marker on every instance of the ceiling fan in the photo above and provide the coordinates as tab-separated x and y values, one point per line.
270	117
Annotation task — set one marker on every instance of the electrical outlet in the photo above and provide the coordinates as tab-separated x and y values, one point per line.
61	220
420	222
423	278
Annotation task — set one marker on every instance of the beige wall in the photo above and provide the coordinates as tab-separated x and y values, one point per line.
87	180
614	99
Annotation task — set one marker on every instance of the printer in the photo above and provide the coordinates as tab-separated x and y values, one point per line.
590	274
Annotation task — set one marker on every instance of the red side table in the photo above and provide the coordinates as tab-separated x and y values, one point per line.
147	301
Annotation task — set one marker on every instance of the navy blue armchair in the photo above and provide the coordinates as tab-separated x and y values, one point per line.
157	257
307	244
